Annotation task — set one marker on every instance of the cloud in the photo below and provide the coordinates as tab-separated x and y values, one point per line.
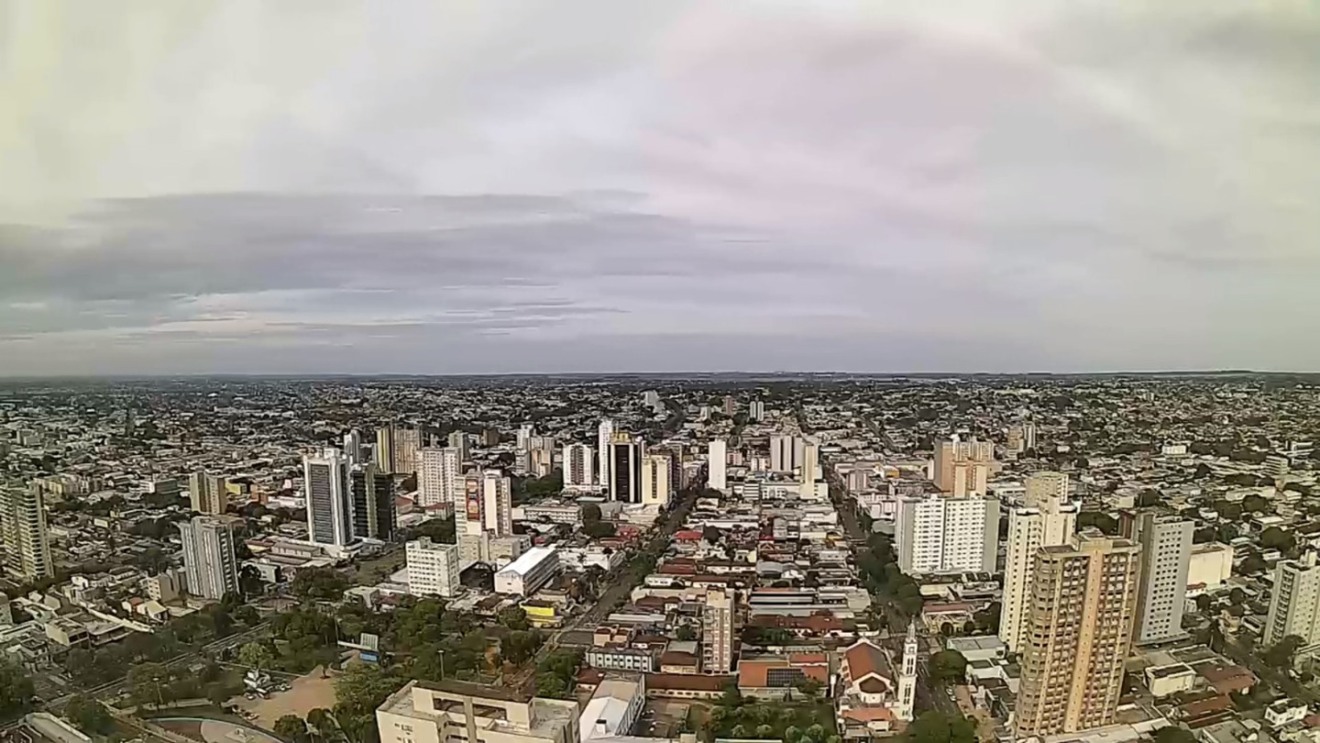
584	185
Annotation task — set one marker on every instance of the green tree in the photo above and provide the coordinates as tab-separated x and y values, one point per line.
255	655
1174	734
792	734
816	732
1252	563
515	618
291	727
322	724
1282	653
1276	538
732	697
590	513
739	731
1237	596
16	691
322	584
809	687
765	731
936	727
686	633
948	666
89	716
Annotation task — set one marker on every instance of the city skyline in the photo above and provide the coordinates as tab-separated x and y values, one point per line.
528	187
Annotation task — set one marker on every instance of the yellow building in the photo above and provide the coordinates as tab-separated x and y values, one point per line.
542	614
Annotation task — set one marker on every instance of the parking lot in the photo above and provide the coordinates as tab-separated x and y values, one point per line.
305	694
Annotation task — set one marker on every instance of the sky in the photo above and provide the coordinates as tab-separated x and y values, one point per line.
499	186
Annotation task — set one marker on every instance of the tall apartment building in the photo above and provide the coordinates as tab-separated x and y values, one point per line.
755	410
625	457
717	465
372	495
785	453
963	467
604	435
525	433
439	473
1166	551
810	464
1080	627
497	503
943	534
23	534
459	440
432	568
717	629
1046	518
657	489
396	449
329	510
209	561
1295	603
353	447
578	466
207	494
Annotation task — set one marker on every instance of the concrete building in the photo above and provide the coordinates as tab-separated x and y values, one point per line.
717	631
1046	518
353	447
497	503
755	410
1166	550
717	463
207	494
810	466
785	453
1210	566
23	534
209	561
432	568
459	440
439	474
614	707
329	510
577	466
963	467
625	457
525	576
604	435
1295	602
453	711
396	449
372	495
907	677
1080	628
940	534
657	490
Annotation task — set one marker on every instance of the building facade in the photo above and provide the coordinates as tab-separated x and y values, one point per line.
939	534
439	474
372	494
207	494
23	534
577	466
1295	603
625	464
717	463
717	630
657	490
209	561
1045	518
432	568
329	510
1166	551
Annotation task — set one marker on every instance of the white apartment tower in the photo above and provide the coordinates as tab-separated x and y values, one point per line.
207	494
497	503
439	470
353	447
1046	518
208	556
717	463
907	678
459	440
657	490
717	631
1295	603
604	435
329	516
1166	552
577	466
785	453
432	568
810	466
755	410
942	534
23	534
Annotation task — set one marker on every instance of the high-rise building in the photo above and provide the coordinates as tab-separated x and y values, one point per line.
730	405
1295	603
717	462
604	435
1166	551
625	456
396	449
1045	519
372	492
717	629
943	534
657	489
1080	625
209	561
459	440
810	465
23	534
432	568
963	467
353	447
525	433
578	466
756	410
439	471
907	677
650	398
207	494
785	453
497	503
329	514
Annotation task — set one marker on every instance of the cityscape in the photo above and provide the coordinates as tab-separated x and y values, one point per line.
793	558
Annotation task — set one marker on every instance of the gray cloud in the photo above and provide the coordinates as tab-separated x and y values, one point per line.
584	185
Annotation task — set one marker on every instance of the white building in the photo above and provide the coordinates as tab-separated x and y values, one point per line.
755	410
439	476
209	561
207	494
1209	567
810	464
1046	518
497	498
717	463
526	575
577	466
657	490
614	708
325	480
432	568
448	712
785	453
1295	602
717	629
943	534
604	435
1166	549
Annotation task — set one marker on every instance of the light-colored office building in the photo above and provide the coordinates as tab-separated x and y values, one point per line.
656	487
717	631
439	476
604	435
454	711
1210	566
23	534
614	707
942	534
209	561
207	494
1080	628
525	576
459	440
1045	518
1166	550
1295	601
578	466
329	512
432	568
717	464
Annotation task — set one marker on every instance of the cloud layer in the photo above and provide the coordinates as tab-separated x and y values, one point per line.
578	186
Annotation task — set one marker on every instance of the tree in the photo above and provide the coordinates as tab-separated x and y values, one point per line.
792	734
816	732
809	687
936	727
599	529
711	534
89	716
731	697
321	722
1281	655
590	513
686	633
1276	538
1203	535
1174	734
515	618
255	655
1237	596
948	666
1102	521
765	731
322	584
291	727
739	731
218	693
1203	603
1254	504
1253	563
1148	497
